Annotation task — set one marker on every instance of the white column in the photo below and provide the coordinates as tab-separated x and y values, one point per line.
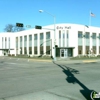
38	45
97	45
44	45
61	38
32	44
27	44
57	36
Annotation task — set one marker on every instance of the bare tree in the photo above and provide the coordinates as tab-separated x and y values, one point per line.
13	28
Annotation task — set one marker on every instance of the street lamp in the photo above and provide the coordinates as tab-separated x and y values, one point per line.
54	32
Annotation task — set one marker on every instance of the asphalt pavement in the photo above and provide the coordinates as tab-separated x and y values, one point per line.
21	79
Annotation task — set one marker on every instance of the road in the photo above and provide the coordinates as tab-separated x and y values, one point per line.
23	80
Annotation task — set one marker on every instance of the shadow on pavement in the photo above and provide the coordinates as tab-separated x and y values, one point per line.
69	72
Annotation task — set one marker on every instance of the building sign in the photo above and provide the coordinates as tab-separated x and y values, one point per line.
65	27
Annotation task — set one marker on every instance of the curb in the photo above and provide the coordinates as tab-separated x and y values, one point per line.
40	60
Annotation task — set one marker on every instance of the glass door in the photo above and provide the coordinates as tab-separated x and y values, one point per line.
65	53
62	53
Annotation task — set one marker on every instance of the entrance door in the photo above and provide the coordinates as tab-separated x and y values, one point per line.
63	53
66	53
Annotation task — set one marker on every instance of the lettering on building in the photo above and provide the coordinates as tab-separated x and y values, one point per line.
65	27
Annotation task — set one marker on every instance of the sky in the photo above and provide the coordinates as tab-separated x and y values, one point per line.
65	11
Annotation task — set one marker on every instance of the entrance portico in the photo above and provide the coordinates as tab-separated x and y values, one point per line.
64	52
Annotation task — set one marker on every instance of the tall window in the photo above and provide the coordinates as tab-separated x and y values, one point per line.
9	42
41	43
59	38
87	42
94	42
25	44
30	44
67	38
48	41
35	43
2	43
63	38
20	44
16	44
80	42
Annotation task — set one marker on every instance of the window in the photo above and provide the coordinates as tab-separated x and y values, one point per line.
41	36
48	43
9	42
5	39
2	39
2	42
30	37
47	35
87	35
20	41
35	36
16	42
63	35
25	38
35	43
25	42
79	34
67	34
94	35
59	34
79	38
79	49
20	38
41	43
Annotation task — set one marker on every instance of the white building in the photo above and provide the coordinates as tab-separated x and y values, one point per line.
71	40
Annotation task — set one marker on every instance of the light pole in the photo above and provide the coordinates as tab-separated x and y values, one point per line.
54	32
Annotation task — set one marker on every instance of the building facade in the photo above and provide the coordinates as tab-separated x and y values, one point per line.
71	40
